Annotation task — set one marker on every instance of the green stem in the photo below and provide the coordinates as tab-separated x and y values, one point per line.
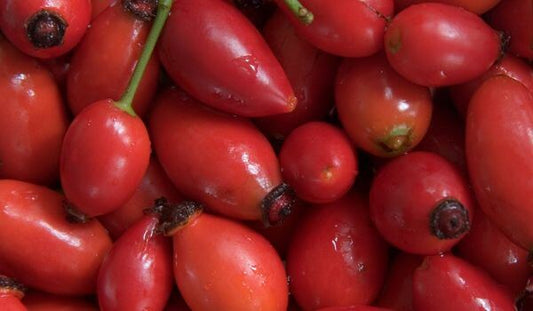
303	14
125	102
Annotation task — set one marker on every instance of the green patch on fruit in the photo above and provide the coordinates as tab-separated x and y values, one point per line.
394	41
397	141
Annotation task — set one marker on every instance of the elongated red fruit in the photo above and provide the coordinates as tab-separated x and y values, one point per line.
33	119
445	282
343	27
499	146
119	32
137	272
234	269
216	54
218	159
40	248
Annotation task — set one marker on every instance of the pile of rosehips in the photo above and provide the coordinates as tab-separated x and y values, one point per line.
266	155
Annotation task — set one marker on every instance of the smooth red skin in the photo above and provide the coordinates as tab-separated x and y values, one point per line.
404	193
515	17
436	44
397	292
212	51
15	14
336	256
478	7
41	301
487	247
445	282
137	272
310	71
498	152
319	162
446	133
154	185
372	99
215	158
104	72
33	119
10	302
104	157
234	269
40	248
355	308
98	6
344	27
509	65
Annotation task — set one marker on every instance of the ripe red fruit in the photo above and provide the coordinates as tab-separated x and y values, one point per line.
220	264
445	282
42	28
336	256
137	272
104	72
33	119
343	27
71	252
436	44
382	112
319	162
421	203
498	152
212	51
218	159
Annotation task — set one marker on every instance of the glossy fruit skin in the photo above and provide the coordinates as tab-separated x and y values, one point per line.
319	161
375	104
137	272
419	44
95	74
41	301
32	107
344	28
218	159
310	71
475	6
498	146
258	85
16	14
104	156
487	247
336	256
445	282
514	18
405	197
235	269
47	252
154	185
508	65
397	292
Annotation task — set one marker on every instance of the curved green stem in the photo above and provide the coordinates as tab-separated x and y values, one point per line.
303	14
125	102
